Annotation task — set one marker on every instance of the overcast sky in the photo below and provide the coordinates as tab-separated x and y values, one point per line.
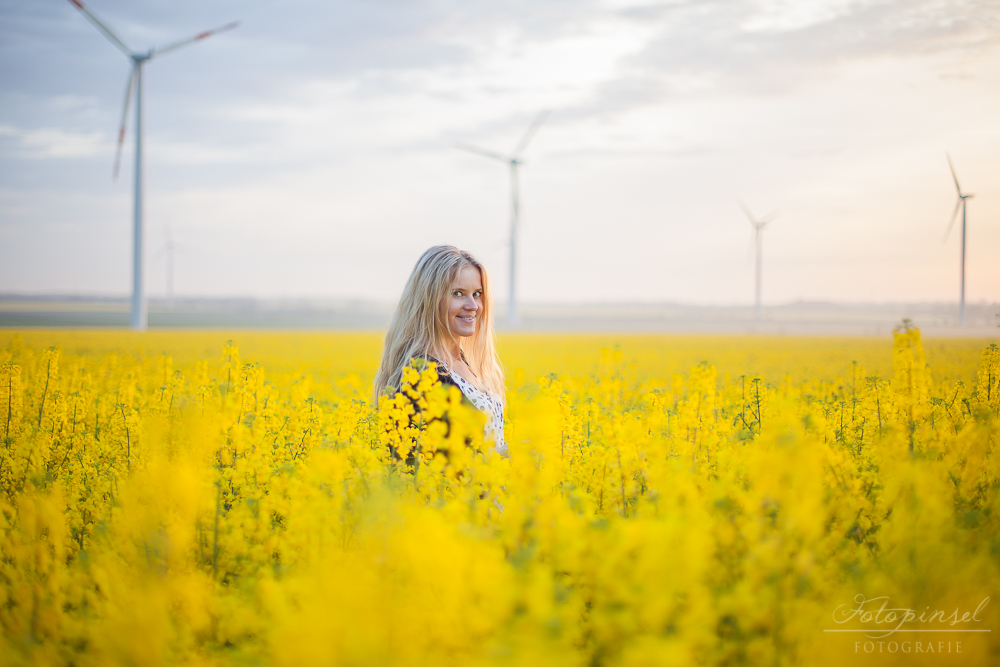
311	152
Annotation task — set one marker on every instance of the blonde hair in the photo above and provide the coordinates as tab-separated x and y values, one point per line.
418	331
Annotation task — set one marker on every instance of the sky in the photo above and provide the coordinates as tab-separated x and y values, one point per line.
311	152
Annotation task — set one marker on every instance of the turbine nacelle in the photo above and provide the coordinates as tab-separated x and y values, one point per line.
759	223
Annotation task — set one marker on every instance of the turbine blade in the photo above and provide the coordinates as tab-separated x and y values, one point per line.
199	36
769	217
748	214
105	30
483	152
530	134
121	128
954	175
954	215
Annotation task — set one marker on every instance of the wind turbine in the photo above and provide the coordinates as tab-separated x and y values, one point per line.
138	59
168	249
961	202
514	161
757	240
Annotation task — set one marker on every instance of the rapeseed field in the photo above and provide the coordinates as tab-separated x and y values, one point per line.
186	499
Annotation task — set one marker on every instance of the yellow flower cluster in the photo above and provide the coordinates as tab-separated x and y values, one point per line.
161	504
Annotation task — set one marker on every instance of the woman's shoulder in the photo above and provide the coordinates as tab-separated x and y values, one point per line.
444	375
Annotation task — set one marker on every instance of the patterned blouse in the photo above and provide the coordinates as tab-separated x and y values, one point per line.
489	406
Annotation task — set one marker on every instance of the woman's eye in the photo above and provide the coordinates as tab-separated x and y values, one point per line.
478	295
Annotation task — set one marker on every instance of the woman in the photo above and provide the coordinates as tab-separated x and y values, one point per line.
446	316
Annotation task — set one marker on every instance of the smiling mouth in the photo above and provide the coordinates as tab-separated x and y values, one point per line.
466	319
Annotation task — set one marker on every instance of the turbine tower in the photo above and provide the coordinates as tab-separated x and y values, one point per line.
514	161
138	59
168	249
960	203
757	242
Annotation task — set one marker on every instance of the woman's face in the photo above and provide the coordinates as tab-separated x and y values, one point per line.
463	305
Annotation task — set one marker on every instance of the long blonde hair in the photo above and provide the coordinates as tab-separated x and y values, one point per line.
418	331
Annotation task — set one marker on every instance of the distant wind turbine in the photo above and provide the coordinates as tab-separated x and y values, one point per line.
139	308
514	161
961	202
168	249
757	241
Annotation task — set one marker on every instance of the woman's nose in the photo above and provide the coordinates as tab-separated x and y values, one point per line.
471	304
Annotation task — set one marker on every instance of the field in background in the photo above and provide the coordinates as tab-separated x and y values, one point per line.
790	319
180	498
329	356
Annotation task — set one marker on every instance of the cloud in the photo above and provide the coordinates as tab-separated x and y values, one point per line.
699	49
54	142
778	47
